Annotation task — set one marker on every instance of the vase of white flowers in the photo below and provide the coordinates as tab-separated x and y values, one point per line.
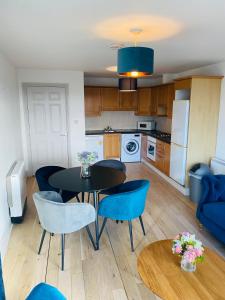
86	158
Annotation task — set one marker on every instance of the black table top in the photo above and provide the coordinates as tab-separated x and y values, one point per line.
101	178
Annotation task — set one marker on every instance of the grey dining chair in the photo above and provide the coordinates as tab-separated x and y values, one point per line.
62	218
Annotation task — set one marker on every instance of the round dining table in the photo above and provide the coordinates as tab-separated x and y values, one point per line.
102	178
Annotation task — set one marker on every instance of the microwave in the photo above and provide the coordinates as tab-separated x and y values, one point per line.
148	125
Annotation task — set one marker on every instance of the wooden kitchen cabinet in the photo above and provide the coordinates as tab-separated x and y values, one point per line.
170	99
144	147
112	145
128	101
110	99
167	159
92	101
163	157
154	100
159	163
162	100
144	102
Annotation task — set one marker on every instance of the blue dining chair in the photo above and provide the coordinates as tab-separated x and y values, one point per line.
42	176
41	291
114	164
127	204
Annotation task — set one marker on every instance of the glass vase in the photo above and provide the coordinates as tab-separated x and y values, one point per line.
187	266
85	171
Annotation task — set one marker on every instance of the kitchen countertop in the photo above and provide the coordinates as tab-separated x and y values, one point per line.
154	133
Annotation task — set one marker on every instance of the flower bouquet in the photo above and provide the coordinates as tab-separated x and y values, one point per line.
86	159
189	249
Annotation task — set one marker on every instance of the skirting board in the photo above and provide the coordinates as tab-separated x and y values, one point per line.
183	190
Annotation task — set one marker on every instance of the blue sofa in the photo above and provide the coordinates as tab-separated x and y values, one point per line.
40	292
211	208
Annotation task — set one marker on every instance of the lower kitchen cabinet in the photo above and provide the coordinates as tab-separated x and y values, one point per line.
163	157
144	147
112	145
167	159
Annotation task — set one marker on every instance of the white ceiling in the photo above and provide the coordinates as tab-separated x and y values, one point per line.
64	34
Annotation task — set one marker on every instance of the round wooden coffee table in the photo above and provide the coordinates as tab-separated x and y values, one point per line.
160	270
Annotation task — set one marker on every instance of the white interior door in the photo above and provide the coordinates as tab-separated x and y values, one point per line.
48	126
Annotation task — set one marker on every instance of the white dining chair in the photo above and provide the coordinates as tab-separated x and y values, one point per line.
62	218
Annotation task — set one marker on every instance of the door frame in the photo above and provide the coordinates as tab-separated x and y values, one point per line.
26	134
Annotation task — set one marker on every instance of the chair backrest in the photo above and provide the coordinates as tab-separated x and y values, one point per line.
2	291
62	218
112	163
42	175
128	203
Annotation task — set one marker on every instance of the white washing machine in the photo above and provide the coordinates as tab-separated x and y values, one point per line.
131	147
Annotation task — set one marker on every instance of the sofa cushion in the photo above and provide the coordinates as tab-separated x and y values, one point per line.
215	212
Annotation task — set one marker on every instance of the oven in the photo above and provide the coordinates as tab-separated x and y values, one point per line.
151	148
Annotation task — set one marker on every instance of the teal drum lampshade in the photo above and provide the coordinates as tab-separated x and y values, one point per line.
135	61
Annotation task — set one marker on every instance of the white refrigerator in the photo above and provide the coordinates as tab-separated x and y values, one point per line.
179	140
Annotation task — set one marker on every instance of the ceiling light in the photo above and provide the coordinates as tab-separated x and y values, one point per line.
135	61
127	84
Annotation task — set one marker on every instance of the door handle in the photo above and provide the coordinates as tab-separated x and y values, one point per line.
63	134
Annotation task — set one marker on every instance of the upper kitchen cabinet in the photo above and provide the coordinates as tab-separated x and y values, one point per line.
154	100
170	99
144	102
162	100
128	101
92	101
110	99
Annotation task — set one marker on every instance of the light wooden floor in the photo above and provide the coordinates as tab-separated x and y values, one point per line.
107	274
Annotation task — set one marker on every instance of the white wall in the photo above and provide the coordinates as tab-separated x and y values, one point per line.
215	69
124	120
74	80
10	137
115	119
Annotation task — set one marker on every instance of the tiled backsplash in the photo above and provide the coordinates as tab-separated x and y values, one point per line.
123	120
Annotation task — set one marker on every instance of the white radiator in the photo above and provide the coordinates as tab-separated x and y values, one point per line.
218	166
16	191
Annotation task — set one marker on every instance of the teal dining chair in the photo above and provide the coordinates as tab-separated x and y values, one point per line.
127	204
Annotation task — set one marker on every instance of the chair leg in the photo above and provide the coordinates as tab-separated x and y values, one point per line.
102	228
90	236
78	199
63	248
88	197
82	197
42	240
142	225
131	236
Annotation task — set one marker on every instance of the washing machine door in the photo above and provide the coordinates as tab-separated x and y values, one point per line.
131	147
